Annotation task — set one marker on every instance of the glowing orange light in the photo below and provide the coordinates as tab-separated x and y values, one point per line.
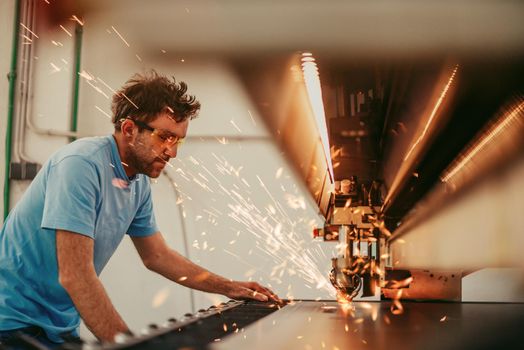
312	81
433	112
500	126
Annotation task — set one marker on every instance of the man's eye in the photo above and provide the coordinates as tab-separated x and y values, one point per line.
168	138
164	137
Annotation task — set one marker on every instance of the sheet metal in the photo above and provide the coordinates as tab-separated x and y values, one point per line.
423	325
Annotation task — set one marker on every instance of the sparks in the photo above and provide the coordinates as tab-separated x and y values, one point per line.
396	307
103	112
222	140
236	126
29	30
75	18
127	98
120	36
160	297
387	320
106	85
86	75
251	116
276	234
66	31
56	69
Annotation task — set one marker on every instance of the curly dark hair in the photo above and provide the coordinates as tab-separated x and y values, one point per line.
144	96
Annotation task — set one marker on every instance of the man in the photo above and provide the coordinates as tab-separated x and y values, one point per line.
61	234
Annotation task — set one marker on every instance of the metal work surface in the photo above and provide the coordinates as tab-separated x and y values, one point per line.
193	331
198	330
329	325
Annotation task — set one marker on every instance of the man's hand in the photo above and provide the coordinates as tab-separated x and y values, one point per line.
251	290
158	257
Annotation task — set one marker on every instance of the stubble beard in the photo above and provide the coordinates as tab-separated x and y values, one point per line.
142	162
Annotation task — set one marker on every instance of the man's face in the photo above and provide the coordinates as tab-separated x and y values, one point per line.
149	150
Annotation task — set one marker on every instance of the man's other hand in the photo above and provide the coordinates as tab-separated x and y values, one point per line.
251	290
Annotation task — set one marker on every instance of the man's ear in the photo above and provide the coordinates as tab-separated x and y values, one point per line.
127	128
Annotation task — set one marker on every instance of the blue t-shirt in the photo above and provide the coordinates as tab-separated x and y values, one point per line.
82	188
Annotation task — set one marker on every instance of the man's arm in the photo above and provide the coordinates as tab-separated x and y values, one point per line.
158	257
77	275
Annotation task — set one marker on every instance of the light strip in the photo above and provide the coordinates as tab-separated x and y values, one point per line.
312	81
434	112
489	135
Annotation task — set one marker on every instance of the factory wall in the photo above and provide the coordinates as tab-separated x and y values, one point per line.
228	202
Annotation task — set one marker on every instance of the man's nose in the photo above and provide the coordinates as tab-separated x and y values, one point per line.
171	151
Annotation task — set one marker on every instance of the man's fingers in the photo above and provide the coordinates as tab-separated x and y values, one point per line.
248	293
259	296
253	290
269	293
261	289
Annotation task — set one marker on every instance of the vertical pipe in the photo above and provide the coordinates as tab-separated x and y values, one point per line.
25	69
11	107
76	79
184	233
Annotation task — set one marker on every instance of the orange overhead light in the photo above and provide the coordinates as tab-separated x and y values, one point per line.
312	81
511	121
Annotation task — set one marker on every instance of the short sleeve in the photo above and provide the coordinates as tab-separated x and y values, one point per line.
144	223
71	197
